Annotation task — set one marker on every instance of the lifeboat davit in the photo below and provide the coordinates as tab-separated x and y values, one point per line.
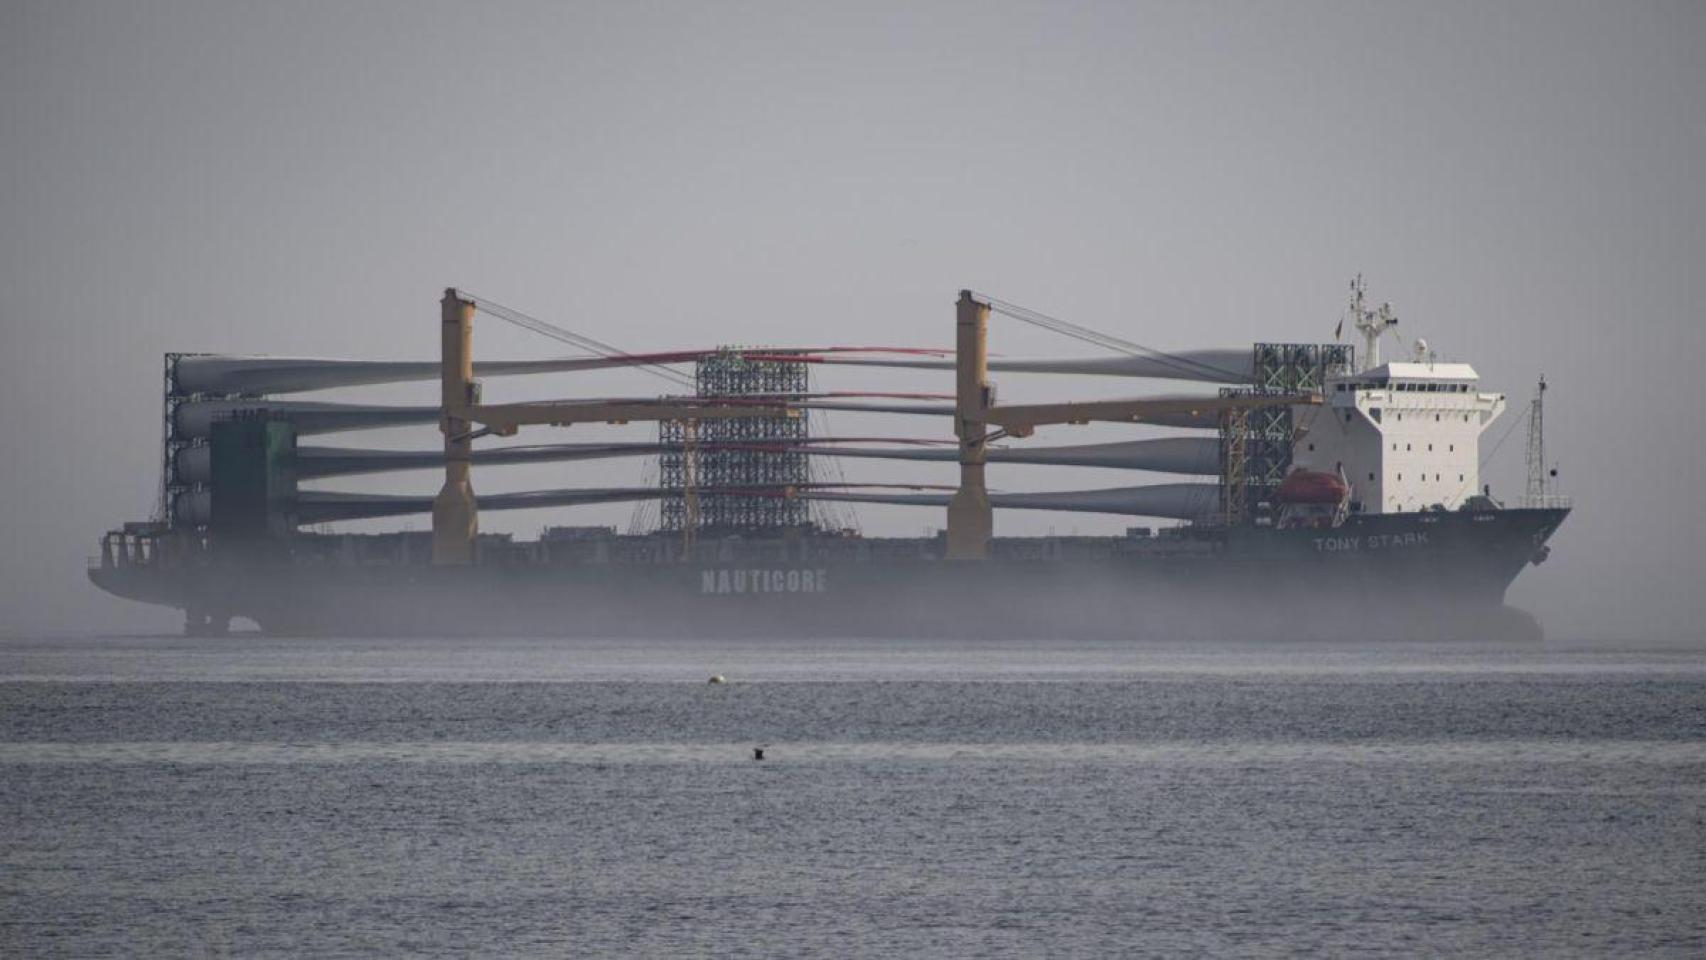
1312	487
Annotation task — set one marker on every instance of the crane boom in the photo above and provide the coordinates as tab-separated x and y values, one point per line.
970	513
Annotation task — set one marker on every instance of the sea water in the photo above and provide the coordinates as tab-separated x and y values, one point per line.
541	797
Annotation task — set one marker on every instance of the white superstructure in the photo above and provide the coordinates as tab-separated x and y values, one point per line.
1406	436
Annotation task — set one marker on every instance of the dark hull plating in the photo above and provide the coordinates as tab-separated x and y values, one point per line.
1399	576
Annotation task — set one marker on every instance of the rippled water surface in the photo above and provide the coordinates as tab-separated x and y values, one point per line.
164	797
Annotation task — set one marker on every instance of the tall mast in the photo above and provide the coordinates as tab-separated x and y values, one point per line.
1537	444
455	513
970	518
1370	323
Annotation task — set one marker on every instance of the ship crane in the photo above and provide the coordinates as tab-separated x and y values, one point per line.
455	512
971	521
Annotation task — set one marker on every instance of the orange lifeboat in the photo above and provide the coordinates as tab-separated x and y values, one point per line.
1312	487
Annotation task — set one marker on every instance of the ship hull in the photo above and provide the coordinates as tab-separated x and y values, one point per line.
1396	576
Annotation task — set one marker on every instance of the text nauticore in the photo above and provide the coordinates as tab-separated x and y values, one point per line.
1374	541
763	581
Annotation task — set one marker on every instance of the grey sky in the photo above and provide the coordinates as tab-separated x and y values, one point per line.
1522	181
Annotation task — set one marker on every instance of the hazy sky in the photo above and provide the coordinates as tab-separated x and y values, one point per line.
1522	181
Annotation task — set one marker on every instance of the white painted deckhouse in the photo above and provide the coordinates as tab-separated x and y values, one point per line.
1406	436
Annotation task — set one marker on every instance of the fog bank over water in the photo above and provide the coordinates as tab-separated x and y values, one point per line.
553	660
1521	182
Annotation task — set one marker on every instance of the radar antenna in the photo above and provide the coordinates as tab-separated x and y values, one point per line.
1370	323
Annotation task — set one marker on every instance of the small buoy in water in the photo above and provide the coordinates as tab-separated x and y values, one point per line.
758	753
717	678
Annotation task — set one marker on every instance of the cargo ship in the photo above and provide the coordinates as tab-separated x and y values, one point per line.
1333	499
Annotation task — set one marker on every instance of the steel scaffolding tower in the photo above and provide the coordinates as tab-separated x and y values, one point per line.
759	452
1255	444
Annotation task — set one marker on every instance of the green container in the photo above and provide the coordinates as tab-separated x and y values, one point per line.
253	482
